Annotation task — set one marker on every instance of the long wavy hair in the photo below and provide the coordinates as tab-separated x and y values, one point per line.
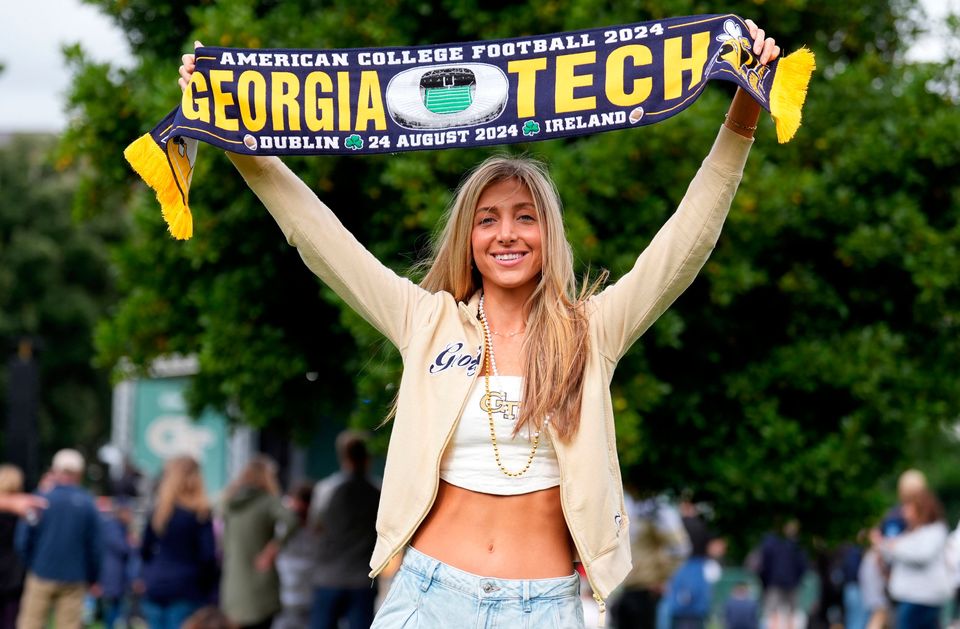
555	345
180	486
259	473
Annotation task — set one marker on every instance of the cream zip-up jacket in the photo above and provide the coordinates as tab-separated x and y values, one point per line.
440	343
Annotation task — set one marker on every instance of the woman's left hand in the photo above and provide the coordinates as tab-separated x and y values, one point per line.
764	47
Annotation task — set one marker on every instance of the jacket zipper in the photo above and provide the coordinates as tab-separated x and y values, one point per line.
436	486
602	616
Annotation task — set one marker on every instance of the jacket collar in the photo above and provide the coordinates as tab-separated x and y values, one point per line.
468	311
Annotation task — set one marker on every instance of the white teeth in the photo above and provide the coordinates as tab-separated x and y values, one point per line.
508	256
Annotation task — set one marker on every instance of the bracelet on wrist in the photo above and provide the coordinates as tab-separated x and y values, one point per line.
739	125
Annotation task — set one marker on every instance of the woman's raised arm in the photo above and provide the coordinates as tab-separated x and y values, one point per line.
680	249
386	300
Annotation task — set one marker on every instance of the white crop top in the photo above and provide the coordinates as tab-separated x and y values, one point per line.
469	462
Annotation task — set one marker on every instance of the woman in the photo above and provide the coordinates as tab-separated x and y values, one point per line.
490	500
178	550
11	570
256	525
296	563
919	580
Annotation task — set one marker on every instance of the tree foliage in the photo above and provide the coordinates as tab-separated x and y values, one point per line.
820	337
55	283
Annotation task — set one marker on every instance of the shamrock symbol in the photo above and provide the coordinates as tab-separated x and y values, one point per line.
354	142
531	127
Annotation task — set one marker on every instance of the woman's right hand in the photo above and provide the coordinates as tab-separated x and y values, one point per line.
188	65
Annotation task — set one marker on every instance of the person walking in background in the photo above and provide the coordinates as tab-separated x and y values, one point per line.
741	610
689	604
11	570
61	550
919	580
690	594
117	556
178	551
697	528
659	543
782	567
296	562
256	525
851	555
344	514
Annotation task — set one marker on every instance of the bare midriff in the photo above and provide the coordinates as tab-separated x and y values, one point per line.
505	537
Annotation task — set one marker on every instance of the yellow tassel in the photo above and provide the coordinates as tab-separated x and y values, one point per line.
148	159
789	91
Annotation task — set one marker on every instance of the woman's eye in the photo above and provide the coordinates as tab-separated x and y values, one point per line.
485	220
527	218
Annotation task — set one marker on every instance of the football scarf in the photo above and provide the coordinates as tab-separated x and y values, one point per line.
384	100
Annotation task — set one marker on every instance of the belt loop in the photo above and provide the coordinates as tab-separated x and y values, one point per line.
527	605
429	575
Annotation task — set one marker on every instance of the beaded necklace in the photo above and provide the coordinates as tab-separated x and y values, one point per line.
490	367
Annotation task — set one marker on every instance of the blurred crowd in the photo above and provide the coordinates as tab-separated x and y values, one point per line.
166	557
903	574
172	559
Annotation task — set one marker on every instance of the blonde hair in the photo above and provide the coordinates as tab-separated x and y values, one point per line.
260	473
910	482
11	479
181	485
556	342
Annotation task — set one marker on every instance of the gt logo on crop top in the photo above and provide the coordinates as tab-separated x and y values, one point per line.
496	402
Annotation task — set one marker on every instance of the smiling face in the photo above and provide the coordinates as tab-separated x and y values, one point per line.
506	238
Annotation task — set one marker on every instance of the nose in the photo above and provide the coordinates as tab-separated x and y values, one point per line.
507	232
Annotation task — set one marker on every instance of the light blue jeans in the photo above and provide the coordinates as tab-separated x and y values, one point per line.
428	594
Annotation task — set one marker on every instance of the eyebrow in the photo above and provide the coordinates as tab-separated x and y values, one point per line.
516	206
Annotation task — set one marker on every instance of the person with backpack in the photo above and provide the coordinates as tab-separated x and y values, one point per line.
690	595
741	610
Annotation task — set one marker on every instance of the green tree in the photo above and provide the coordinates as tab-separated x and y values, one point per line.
820	338
55	283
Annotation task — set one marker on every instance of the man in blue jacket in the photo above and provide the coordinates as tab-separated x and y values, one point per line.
61	549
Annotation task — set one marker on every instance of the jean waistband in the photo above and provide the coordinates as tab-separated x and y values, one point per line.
433	570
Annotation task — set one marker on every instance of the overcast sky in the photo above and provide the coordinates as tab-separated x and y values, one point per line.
33	84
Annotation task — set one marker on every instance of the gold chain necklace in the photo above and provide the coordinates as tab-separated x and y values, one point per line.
508	335
490	366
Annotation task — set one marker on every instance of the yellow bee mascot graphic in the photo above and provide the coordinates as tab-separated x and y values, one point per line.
182	154
737	51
